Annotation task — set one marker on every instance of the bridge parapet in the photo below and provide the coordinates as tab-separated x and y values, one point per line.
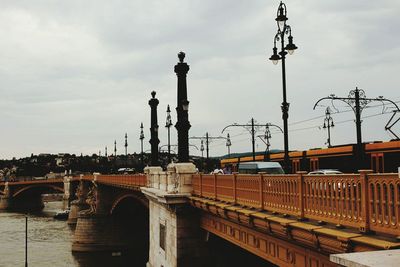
366	201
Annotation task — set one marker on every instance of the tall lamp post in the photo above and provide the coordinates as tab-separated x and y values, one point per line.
141	137
265	138
154	141
168	125
328	123
126	145
126	149
182	125
283	29
228	144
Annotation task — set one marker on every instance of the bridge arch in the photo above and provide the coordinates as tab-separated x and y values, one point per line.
129	213
142	200
38	186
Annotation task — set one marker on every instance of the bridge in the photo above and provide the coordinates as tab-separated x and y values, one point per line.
288	220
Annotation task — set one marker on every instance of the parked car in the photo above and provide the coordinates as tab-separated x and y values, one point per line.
326	171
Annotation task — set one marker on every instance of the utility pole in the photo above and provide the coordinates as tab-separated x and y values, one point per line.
358	101
252	131
207	139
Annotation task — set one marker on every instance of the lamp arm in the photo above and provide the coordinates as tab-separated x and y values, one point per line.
270	124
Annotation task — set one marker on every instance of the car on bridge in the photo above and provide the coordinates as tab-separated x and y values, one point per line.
326	171
255	167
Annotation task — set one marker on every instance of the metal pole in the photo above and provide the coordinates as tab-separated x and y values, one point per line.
169	145
329	134
253	141
26	241
358	128
141	143
207	148
285	106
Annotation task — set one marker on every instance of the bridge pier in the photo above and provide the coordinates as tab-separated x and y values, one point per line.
96	230
68	192
5	198
79	203
175	237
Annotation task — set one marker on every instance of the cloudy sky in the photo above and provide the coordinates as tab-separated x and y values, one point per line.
76	75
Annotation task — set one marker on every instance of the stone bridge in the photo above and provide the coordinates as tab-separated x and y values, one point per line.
27	195
288	220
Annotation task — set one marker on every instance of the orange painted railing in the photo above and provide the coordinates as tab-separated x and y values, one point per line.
41	181
369	202
131	180
123	180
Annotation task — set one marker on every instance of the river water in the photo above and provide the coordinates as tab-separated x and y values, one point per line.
49	243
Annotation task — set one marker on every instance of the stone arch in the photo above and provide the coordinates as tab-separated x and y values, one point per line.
29	187
141	199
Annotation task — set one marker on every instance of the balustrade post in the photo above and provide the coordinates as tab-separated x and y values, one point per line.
260	188
234	189
201	184
301	193
365	198
215	187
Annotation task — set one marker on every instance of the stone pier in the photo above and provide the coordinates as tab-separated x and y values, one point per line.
95	229
175	237
79	203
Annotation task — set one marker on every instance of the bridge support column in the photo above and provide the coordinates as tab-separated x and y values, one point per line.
174	225
95	229
97	232
6	198
79	203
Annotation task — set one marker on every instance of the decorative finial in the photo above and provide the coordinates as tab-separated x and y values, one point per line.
181	56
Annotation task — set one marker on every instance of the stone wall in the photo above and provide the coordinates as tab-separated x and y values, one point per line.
168	193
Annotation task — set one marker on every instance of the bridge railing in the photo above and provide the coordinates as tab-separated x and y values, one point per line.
365	201
122	180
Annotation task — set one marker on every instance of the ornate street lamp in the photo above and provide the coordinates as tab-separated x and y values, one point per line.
126	145
228	144
202	147
328	123
141	137
283	30
168	125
